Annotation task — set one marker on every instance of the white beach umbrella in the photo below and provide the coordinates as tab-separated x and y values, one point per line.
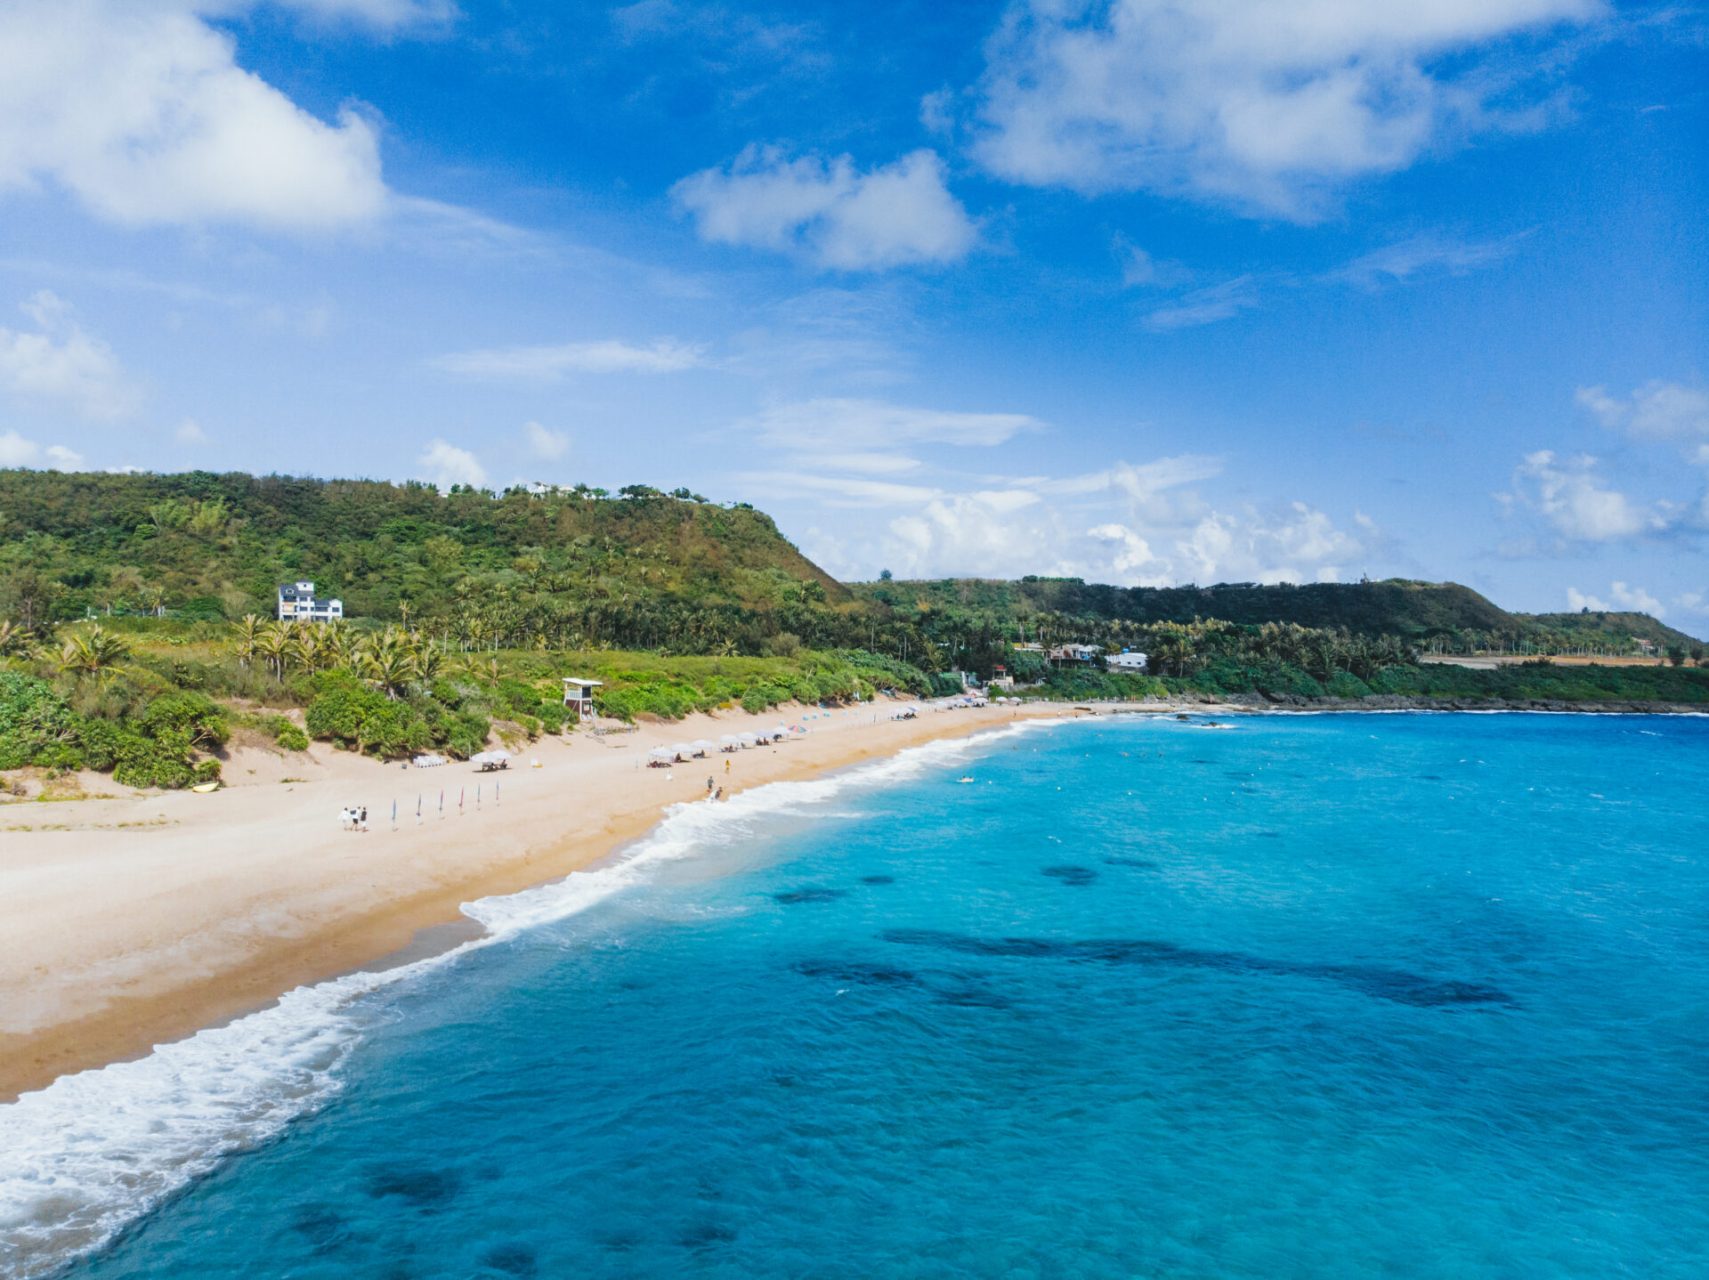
682	749
750	739
659	753
780	731
730	740
703	744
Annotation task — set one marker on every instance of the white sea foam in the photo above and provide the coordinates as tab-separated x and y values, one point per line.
92	1152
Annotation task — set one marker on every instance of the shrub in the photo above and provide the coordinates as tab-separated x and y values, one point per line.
288	736
35	723
347	712
467	734
200	720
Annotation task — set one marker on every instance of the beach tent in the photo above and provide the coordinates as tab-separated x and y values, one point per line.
730	741
702	746
661	754
749	739
681	750
779	732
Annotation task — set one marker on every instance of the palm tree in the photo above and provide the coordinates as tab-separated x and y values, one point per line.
248	629
12	637
388	660
91	652
429	661
275	643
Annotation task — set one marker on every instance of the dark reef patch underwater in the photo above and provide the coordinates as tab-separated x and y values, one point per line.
1309	1013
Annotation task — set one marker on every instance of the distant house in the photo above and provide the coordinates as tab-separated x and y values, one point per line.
1000	678
297	603
578	696
1126	660
1075	654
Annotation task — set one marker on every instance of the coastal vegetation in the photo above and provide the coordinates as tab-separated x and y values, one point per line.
136	633
1433	617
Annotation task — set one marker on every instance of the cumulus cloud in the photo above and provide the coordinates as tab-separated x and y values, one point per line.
57	362
829	211
189	432
1001	532
1267	106
545	443
1570	495
15	451
1130	523
444	464
141	112
1631	599
547	363
1657	410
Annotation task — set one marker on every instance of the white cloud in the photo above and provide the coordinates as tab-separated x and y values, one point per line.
189	432
545	443
1140	270
1657	410
546	363
15	451
864	425
383	15
1267	105
1422	255
1133	524
445	464
1571	497
141	111
1625	598
1206	306
59	362
831	212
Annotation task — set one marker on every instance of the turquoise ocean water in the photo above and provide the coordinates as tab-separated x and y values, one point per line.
1402	996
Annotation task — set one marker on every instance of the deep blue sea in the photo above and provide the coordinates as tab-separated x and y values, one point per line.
1325	996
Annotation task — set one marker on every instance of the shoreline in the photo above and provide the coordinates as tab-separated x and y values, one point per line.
185	936
109	978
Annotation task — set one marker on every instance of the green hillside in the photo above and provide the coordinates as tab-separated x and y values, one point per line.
1411	610
641	568
1604	632
1428	615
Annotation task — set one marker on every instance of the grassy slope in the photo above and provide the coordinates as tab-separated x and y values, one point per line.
233	538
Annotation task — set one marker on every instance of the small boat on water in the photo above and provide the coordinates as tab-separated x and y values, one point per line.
965	779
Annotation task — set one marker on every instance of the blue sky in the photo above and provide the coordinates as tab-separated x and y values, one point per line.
1153	291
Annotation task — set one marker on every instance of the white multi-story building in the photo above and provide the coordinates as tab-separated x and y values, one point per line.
297	603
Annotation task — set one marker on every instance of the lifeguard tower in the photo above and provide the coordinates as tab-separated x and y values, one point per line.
578	696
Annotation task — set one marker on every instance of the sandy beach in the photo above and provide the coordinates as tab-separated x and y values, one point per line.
135	920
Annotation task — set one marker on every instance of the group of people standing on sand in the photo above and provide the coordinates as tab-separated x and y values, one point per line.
353	817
